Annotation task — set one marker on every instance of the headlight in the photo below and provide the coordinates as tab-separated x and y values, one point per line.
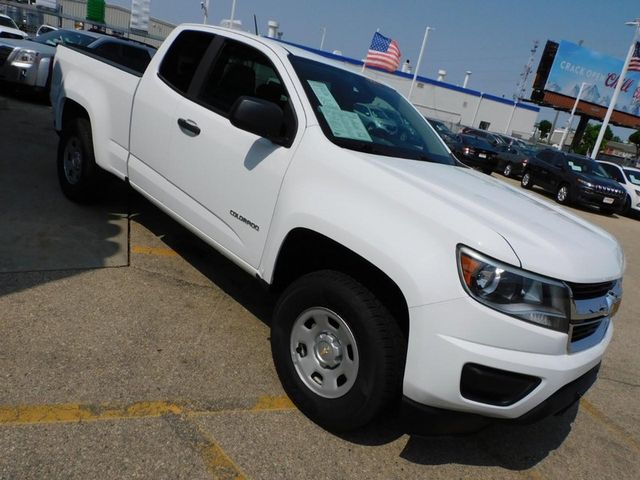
513	291
585	183
24	58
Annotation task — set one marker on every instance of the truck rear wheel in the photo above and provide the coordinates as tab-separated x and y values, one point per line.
79	176
337	350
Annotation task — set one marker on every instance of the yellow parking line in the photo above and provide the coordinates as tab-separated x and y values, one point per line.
219	463
75	412
157	251
281	402
601	417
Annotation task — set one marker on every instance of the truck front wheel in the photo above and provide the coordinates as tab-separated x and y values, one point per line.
79	176
337	350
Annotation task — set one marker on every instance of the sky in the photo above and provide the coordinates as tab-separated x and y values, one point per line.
491	38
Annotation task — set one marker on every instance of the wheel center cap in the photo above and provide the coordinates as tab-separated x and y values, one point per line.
328	350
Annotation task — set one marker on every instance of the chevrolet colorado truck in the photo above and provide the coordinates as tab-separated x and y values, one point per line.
406	280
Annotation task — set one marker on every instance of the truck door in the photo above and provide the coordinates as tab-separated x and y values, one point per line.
230	177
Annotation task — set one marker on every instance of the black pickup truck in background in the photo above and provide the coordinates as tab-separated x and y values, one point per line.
574	179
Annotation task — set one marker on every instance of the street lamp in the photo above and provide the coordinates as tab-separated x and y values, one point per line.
415	74
205	10
573	111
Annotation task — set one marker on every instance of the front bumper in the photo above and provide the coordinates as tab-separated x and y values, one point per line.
590	197
446	336
420	419
35	75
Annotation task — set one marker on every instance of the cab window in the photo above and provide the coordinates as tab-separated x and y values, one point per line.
241	70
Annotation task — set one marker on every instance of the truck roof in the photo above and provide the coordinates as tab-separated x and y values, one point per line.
277	46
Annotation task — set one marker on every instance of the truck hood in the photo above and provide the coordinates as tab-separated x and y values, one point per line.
546	239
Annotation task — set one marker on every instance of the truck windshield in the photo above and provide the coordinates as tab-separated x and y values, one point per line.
360	114
65	37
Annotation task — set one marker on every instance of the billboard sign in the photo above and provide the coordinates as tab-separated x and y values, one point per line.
574	64
140	12
50	4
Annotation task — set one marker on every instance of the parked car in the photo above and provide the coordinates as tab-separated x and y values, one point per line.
512	159
28	62
476	152
574	179
45	29
403	278
629	178
450	138
492	138
9	29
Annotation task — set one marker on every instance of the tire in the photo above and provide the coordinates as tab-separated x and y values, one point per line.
526	181
337	350
563	194
508	168
626	209
80	177
487	171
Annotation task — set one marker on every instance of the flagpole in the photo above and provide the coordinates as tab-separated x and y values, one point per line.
573	112
415	73
616	92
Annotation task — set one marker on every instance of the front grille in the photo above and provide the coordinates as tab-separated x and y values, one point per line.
584	291
4	54
614	192
583	330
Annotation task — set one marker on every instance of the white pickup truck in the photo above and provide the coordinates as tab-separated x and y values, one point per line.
407	280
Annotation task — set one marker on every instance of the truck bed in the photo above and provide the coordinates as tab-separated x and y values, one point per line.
105	90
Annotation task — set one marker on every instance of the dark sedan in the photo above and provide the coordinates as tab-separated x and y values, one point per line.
476	152
513	159
574	179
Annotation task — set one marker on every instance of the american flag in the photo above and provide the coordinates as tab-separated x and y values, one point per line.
634	64
383	53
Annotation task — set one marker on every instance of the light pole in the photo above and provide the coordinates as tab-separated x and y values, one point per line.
616	92
415	74
233	13
205	10
324	33
573	111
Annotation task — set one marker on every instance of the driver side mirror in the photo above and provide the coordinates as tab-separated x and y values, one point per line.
257	116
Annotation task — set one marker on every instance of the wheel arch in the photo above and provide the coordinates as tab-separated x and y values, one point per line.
304	251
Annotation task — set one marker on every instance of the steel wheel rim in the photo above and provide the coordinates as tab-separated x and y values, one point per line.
525	179
562	194
324	352
72	161
507	170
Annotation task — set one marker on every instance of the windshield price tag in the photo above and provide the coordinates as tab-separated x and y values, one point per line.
324	95
345	124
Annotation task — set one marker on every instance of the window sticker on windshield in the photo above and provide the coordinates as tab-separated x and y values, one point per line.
345	124
574	167
324	95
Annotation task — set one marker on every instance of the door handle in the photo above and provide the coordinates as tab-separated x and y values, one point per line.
190	126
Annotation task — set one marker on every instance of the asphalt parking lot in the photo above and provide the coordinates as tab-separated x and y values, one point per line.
129	349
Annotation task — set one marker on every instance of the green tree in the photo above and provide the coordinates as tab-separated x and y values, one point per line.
545	127
590	136
635	139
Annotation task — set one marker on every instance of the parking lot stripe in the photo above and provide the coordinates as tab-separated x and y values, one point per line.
74	412
602	418
280	402
157	251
